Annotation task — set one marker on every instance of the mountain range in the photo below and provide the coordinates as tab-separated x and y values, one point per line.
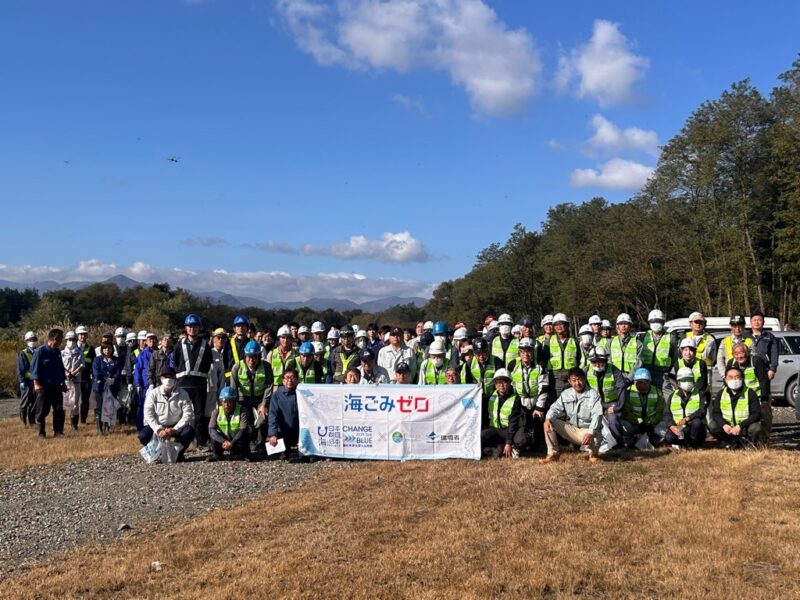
219	297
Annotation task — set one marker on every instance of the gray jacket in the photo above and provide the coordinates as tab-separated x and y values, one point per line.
161	410
584	411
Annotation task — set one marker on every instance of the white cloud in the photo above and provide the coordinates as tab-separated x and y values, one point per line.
607	136
208	242
410	104
496	66
616	174
554	145
605	66
269	286
400	247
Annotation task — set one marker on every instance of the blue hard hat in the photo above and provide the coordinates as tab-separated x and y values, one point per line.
439	328
228	393
252	348
192	319
240	320
642	374
306	348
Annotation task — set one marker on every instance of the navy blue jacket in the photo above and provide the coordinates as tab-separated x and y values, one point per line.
101	371
283	420
46	366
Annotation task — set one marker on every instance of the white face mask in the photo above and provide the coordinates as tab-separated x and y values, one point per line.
505	330
599	369
657	327
31	344
586	340
361	343
735	384
686	386
438	361
440	338
168	384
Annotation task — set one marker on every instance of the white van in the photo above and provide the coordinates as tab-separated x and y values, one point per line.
719	324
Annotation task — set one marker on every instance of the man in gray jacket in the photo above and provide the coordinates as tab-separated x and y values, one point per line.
577	416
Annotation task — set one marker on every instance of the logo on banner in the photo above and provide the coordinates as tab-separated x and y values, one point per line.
397	437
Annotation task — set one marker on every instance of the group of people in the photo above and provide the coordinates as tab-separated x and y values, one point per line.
232	392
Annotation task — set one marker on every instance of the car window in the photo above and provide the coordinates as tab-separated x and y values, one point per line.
793	344
783	347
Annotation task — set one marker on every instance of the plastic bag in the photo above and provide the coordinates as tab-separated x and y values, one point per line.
608	442
643	443
170	451
151	452
69	397
110	406
258	418
124	397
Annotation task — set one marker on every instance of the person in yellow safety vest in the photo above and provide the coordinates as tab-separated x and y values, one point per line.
659	351
234	348
85	376
595	322
432	370
481	368
331	345
526	328
725	351
586	344
306	365
505	434
643	410
706	344
561	353
685	411
612	386
229	428
303	334
281	355
625	349
531	382
606	333
504	345
27	399
253	379
547	330
688	359
735	415
319	358
345	355
755	370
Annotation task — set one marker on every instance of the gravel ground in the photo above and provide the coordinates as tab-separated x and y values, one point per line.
45	509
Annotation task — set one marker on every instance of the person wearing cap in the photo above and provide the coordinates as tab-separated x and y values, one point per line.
396	352
480	369
685	411
706	348
643	409
49	383
345	355
561	354
735	414
492	331
253	379
303	335
505	432
688	359
105	375
504	345
586	345
282	355
216	374
530	382
595	323
402	374
725	351
308	369
85	376
193	358
283	421
333	341
72	357
233	350
754	371
462	346
764	343
526	328
432	370
318	332
659	349
547	330
612	387
229	427
319	358
606	333
119	342
625	348
370	371
140	370
160	356
27	408
441	334
576	416
362	339
168	413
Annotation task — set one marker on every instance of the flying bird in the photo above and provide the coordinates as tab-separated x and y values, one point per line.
174	159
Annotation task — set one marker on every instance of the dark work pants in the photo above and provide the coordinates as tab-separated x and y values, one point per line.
615	427
558	383
240	448
694	435
198	397
493	440
50	397
753	433
86	392
27	404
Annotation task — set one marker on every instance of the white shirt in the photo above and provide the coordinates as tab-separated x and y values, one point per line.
389	358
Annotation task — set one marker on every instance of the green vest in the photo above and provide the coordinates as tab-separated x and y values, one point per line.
750	380
656	354
702	341
499	413
623	358
733	414
678	411
526	387
228	428
234	353
608	392
486	381
278	365
346	360
307	376
511	353
695	368
650	415
562	359
430	375
259	381
29	356
86	358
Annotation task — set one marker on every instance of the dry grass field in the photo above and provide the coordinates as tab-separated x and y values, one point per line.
708	524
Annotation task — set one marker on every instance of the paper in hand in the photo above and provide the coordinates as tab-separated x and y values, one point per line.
277	448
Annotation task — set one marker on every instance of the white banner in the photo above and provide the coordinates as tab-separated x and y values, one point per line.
390	422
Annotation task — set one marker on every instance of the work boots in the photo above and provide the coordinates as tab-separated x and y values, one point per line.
74	422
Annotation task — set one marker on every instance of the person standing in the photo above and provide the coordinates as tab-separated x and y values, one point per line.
105	375
625	349
561	354
395	352
72	357
140	370
85	376
706	345
27	399
49	383
192	359
284	421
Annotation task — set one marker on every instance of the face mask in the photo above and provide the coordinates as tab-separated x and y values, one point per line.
505	330
440	338
586	340
599	370
438	362
32	345
361	343
657	327
168	384
735	384
686	386
70	343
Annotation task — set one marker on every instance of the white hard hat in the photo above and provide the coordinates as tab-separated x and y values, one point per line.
655	315
437	347
302	329
460	334
284	331
688	342
505	318
152	334
624	318
120	332
560	318
317	327
333	334
318	347
81	329
585	329
501	374
696	316
130	337
30	336
493	325
516	329
361	334
547	320
526	342
70	335
427	326
356	328
606	324
685	373
595	320
142	335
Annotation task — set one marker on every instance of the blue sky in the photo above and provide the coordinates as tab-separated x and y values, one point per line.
347	149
